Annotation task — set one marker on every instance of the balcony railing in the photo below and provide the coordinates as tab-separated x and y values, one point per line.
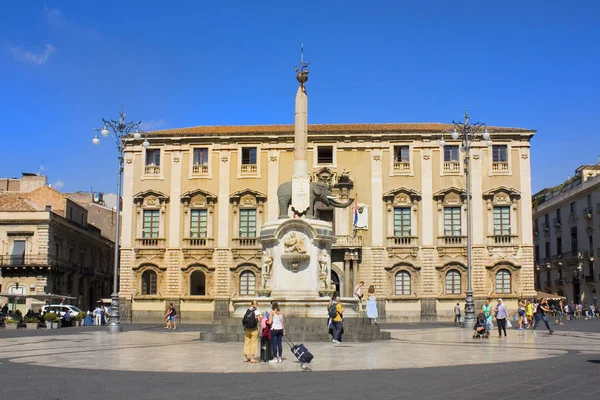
249	169
200	169
401	241
22	260
250	242
500	166
587	213
401	166
152	170
452	241
348	241
150	242
502	239
451	166
198	242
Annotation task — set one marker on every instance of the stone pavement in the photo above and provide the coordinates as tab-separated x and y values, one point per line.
421	361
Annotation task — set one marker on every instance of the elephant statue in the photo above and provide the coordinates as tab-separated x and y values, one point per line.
319	191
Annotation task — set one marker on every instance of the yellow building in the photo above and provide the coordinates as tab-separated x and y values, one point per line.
195	199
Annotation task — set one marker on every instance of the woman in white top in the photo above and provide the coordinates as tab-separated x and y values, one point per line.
277	332
372	305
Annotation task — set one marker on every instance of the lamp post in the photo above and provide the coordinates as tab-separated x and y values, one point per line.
119	131
467	132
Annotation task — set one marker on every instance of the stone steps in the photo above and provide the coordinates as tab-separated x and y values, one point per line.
300	330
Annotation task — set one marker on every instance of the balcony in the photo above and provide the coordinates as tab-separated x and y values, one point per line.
245	247
573	218
347	241
401	166
203	247
401	241
23	260
249	169
587	213
152	170
500	240
451	166
556	223
500	167
200	169
452	241
150	243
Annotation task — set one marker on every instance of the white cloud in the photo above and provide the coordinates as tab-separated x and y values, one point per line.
152	124
30	57
53	15
58	185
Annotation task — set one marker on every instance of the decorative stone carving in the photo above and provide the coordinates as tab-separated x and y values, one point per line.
267	266
294	243
324	263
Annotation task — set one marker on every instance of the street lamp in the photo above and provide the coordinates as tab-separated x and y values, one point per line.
467	133
120	131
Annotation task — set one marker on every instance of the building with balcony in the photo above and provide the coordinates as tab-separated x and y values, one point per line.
195	200
567	244
47	246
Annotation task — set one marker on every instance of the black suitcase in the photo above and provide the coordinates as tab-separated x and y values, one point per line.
266	350
301	353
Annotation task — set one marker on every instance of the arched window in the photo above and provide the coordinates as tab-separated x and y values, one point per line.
247	283
335	281
149	282
402	283
503	281
453	282
198	283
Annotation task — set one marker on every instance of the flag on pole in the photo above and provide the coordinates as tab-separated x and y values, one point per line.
355	221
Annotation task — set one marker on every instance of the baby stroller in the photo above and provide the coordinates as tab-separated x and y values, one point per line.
480	329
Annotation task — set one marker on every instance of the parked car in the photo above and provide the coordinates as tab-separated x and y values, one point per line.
61	309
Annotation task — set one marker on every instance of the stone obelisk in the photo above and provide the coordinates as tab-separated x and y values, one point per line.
300	176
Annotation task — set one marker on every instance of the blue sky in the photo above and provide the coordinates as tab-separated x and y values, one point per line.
66	64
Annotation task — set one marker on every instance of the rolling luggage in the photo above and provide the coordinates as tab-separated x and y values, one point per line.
301	353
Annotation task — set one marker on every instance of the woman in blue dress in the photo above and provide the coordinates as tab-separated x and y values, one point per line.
372	313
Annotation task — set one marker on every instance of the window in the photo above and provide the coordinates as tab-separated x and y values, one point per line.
499	153
559	246
17	256
247	223
247	283
452	221
249	155
503	281
589	201
200	165
451	153
151	224
574	246
572	208
547	251
197	283
558	216
502	220
324	154
401	159
546	222
198	223
402	221
537	254
148	282
536	227
453	282
153	157
402	283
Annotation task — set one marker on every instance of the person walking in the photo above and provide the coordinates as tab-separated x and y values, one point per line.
251	321
559	313
521	311
98	316
540	315
501	316
457	315
529	313
487	311
372	312
336	320
277	332
168	317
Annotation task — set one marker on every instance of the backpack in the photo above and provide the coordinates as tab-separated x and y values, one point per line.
249	320
333	310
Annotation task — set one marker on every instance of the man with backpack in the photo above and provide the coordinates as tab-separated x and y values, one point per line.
251	322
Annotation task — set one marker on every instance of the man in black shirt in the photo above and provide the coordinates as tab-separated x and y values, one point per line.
540	315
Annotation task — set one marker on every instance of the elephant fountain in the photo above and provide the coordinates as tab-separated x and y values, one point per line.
319	191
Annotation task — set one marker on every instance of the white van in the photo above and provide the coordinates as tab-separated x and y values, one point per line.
61	309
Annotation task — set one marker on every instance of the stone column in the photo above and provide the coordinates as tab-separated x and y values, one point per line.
347	276
354	271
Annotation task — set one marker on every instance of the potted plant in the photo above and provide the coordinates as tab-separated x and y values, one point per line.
51	319
31	322
77	320
11	323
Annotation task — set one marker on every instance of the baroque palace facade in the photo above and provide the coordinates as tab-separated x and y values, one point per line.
195	199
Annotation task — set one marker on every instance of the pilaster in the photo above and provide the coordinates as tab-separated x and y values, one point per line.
127	214
477	198
426	226
273	185
376	198
223	203
175	201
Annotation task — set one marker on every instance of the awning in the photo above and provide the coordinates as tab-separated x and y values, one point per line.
549	296
41	297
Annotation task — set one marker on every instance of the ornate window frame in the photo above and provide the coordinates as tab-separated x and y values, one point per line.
414	273
237	272
201	175
198	200
315	149
160	279
247	199
402	197
461	162
502	196
411	152
490	150
451	197
443	271
209	277
150	200
515	276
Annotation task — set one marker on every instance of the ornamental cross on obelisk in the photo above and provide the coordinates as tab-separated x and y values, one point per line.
300	177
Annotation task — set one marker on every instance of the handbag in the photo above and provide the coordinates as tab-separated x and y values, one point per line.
508	324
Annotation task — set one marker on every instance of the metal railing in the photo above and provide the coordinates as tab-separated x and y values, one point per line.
26	259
